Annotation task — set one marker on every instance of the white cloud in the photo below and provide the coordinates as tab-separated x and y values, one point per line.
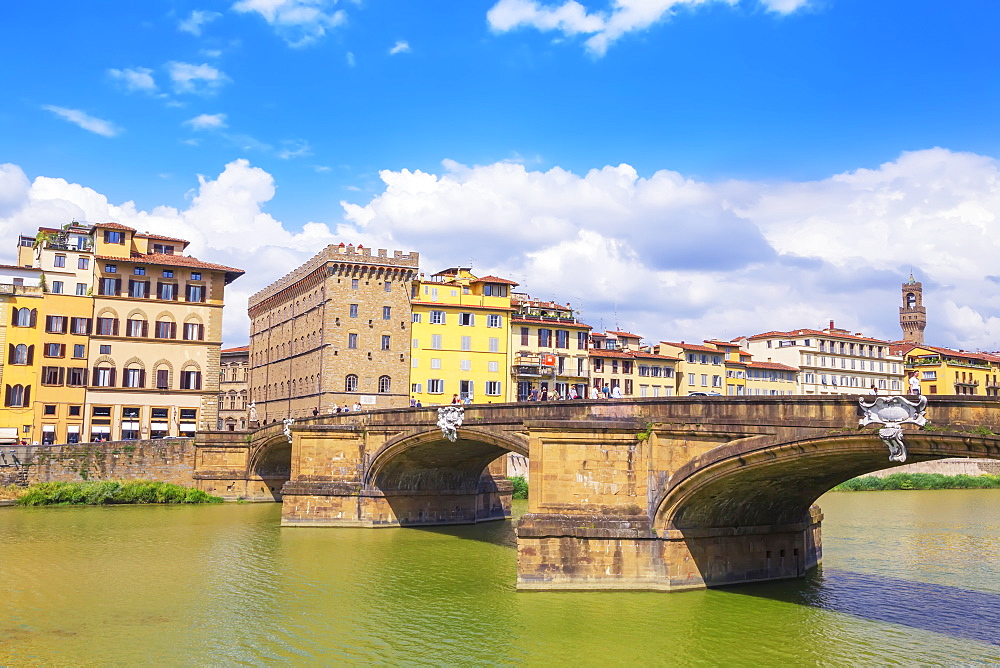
350	59
294	149
135	79
207	122
663	255
193	23
84	120
298	22
200	79
604	27
400	46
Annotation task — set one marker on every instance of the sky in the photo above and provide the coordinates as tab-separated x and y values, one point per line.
681	169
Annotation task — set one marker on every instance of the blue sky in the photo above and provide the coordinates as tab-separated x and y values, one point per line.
460	129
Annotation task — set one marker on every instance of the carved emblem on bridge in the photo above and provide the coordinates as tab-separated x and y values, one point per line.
450	419
893	412
287	429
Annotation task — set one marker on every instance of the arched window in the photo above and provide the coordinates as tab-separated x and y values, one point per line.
23	318
20	355
911	300
384	384
351	383
17	395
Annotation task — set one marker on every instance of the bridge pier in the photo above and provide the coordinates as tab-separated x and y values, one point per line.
588	552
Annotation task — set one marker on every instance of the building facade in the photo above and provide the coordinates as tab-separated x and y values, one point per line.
333	332
460	339
234	388
831	360
128	331
947	371
618	360
549	349
23	302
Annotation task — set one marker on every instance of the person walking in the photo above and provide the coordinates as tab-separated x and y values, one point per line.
914	383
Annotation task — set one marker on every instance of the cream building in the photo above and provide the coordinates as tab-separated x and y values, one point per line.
234	388
549	349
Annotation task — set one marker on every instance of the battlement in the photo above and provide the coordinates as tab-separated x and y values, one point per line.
338	253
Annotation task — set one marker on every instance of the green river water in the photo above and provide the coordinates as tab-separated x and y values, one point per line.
908	578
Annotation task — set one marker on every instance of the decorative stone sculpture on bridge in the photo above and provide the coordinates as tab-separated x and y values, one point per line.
893	412
450	419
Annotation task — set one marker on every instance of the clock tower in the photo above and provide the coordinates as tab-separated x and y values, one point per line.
912	314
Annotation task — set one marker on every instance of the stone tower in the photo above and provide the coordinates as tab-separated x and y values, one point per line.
912	314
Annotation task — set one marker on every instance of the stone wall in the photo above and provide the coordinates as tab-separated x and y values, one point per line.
946	467
166	460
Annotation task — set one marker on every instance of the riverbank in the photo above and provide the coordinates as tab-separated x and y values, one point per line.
918	481
104	493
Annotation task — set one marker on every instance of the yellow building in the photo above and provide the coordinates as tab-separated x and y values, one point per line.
771	379
622	368
22	322
946	371
735	360
700	368
460	338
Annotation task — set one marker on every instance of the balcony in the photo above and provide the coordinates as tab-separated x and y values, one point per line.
10	289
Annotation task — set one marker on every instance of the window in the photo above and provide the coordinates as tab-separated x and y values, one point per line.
545	338
81	289
435	342
494	320
162	380
83	263
137	328
194	331
581	340
56	324
111	269
52	375
79	326
384	382
387	313
416	317
435	386
168	273
494	290
138	289
437	317
493	388
387	286
354	284
524	336
195	275
134	378
139	271
105	350
493	367
109	286
466	343
466	319
76	377
494	344
17	395
55	349
50	409
104	377
113	237
354	311
465	365
164	329
190	380
352	340
435	363
562	338
716	381
928	375
166	291
57	287
195	293
79	350
188	422
386	342
350	383
704	380
416	388
106	327
24	317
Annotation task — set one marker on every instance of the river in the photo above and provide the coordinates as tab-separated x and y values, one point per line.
908	577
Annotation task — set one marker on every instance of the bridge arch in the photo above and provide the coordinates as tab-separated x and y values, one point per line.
428	460
269	467
755	484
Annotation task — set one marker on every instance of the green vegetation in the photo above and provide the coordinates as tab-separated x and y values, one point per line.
520	487
918	481
110	492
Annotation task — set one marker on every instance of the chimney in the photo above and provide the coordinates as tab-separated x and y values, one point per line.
831	325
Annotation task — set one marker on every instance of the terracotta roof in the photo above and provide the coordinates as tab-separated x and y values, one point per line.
772	365
235	350
115	226
167	260
692	346
653	356
15	266
160	237
741	362
956	353
815	332
495	279
617	333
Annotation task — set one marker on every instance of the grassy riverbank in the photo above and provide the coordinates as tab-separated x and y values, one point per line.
896	481
105	493
520	487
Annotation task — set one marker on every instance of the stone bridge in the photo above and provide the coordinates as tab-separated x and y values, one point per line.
664	494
